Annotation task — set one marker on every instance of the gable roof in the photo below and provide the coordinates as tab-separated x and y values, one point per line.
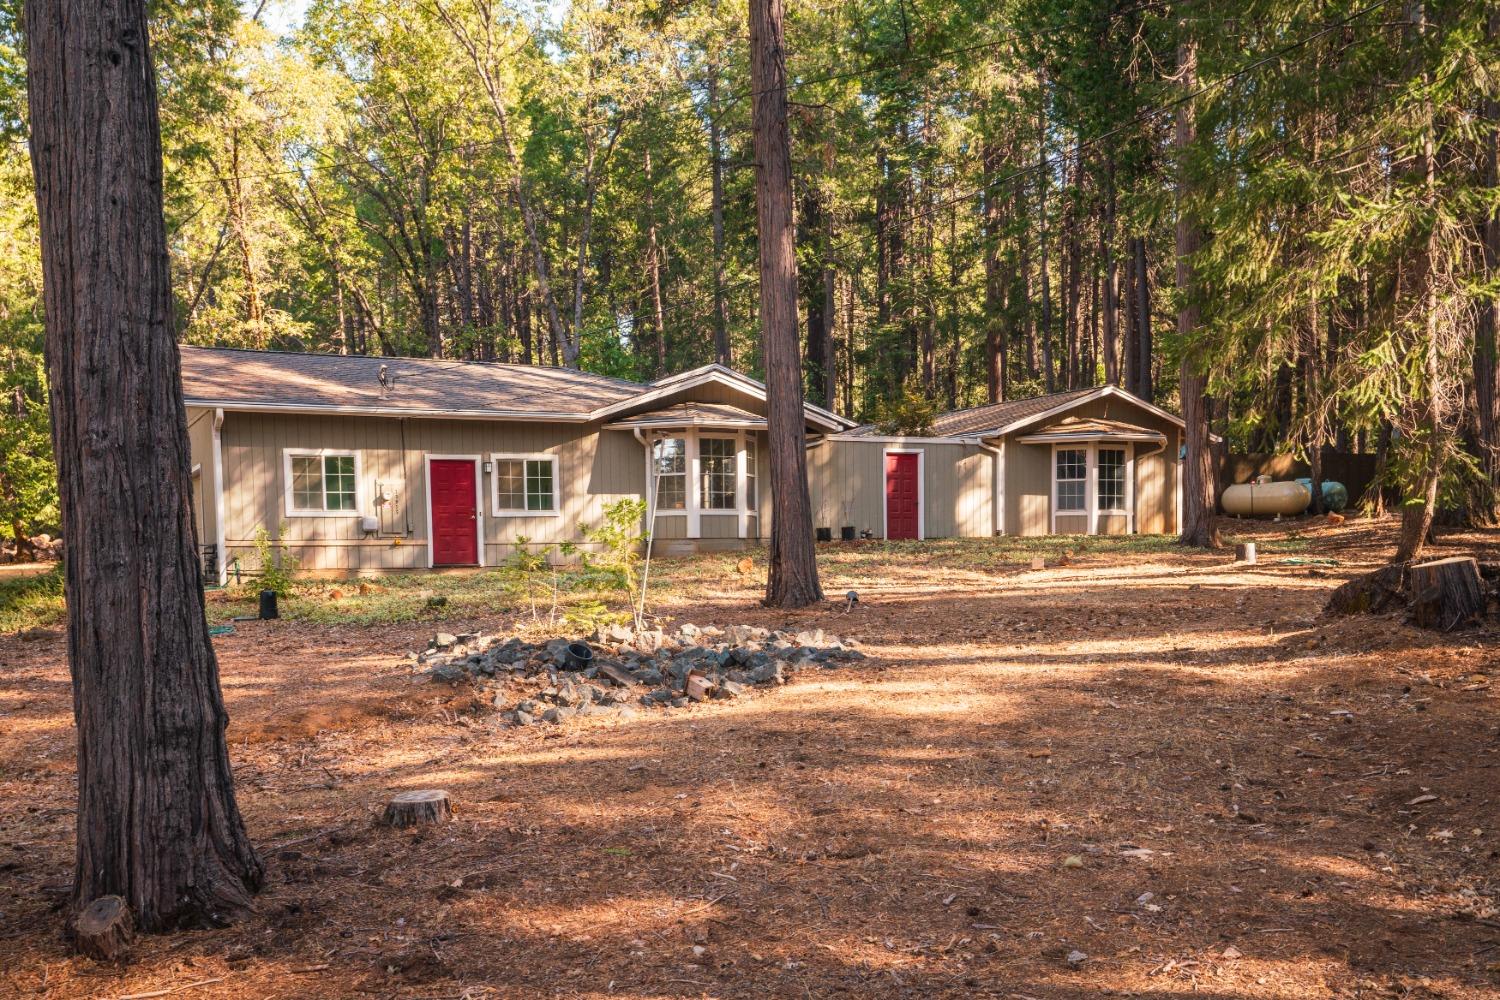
277	380
693	414
286	381
716	373
1090	429
994	419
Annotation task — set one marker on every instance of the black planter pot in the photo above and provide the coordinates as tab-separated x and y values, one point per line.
846	533
824	534
268	605
579	656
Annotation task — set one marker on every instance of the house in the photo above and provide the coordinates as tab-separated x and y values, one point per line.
375	465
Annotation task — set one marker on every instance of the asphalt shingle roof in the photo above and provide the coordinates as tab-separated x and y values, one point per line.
694	414
978	420
226	376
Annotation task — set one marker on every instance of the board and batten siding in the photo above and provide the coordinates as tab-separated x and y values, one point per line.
595	468
201	446
847	481
1028	477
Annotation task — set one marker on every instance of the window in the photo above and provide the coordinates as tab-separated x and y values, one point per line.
670	458
1072	479
750	467
322	483
717	461
1112	479
525	484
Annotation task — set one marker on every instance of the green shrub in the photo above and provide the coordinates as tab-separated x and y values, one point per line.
278	567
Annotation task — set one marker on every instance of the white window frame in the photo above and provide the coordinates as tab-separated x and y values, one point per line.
541	456
885	503
1092	509
427	460
693	469
288	494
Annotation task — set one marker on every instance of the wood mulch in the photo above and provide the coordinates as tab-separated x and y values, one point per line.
1147	774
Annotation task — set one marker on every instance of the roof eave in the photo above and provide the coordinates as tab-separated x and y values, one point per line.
240	406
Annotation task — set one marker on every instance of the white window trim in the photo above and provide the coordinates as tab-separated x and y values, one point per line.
885	502
495	507
1091	509
427	460
287	495
692	467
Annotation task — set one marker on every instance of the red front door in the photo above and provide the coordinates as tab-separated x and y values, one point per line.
454	517
903	505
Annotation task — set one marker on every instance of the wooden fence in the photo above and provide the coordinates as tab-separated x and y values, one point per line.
1354	470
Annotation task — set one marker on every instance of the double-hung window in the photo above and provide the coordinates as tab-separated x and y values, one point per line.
1072	480
750	466
1112	480
718	460
321	482
669	466
525	484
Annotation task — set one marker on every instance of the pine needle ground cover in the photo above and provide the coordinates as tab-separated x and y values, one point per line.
1143	772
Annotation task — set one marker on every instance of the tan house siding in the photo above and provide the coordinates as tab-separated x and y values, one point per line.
200	443
594	469
1028	477
847	481
1028	488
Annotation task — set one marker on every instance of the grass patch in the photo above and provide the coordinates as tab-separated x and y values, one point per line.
29	602
32	601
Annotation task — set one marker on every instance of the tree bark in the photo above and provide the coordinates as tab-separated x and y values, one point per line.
1428	418
1111	304
722	353
995	282
1198	525
1447	594
793	579
1485	506
157	822
1144	388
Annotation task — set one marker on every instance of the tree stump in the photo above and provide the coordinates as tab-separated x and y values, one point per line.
104	929
1245	552
1370	593
427	805
1446	594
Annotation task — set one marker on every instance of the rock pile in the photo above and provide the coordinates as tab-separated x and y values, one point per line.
620	671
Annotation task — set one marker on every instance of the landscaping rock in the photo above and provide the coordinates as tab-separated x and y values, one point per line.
652	668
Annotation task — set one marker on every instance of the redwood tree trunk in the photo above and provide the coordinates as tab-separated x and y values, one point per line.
793	563
1198	526
157	822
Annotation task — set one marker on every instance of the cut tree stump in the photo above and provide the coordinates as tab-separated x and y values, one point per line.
104	929
426	805
1371	593
1446	594
1245	552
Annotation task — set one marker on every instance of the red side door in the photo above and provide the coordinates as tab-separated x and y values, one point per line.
454	517
903	507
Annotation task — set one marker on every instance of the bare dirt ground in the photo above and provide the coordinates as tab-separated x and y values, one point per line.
1165	763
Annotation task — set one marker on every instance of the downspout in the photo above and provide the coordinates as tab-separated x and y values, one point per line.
653	482
997	497
218	487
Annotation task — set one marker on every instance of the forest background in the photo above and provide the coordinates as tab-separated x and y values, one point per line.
988	197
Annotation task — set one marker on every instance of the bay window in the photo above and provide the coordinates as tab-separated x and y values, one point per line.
705	476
